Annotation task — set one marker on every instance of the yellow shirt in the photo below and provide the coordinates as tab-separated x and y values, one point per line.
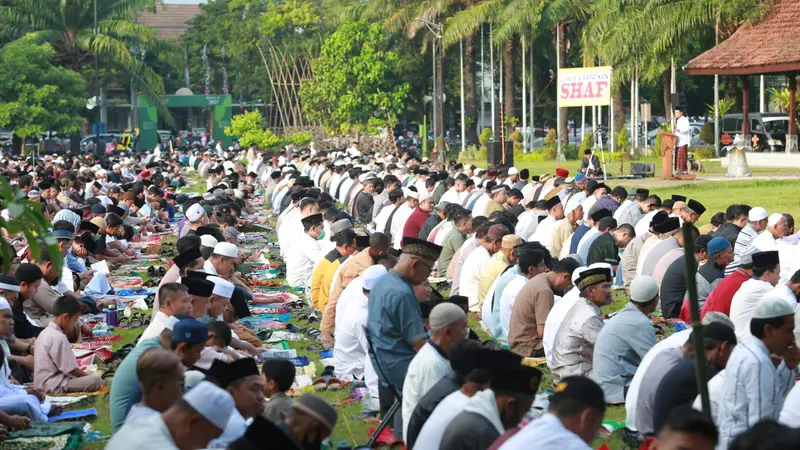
493	206
561	232
496	266
318	287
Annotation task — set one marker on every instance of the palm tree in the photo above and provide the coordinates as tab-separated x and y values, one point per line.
69	27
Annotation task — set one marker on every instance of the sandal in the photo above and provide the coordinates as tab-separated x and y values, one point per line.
264	335
162	271
151	271
311	332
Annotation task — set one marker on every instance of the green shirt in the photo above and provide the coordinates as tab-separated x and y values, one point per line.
604	250
124	380
450	245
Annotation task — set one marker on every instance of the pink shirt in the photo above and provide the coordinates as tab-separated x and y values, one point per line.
207	357
53	359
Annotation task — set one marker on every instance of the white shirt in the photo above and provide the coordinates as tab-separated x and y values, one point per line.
398	223
587	205
714	396
479	208
425	370
446	226
527	222
790	414
209	268
290	227
643	225
430	435
151	432
674	341
744	303
451	196
683	131
156	326
507	301
140	412
553	322
303	256
471	274
383	217
544	232
234	430
346	185
350	343
545	433
782	291
765	242
648	245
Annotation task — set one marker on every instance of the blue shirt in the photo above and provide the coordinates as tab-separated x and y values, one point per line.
394	323
494	322
75	264
621	344
576	238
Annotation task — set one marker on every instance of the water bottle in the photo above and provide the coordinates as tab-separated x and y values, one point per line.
108	316
111	317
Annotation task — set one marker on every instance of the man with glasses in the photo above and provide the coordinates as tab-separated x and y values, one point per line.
394	319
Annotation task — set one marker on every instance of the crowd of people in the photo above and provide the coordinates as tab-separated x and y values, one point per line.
371	241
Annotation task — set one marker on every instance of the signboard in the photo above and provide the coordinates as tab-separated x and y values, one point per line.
585	86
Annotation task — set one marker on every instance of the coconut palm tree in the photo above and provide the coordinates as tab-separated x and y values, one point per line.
69	27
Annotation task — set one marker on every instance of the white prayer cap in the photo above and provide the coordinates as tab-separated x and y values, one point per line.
425	196
208	240
372	274
195	212
4	303
643	289
341	225
214	404
208	196
238	193
716	316
774	218
756	214
513	171
226	249
409	193
772	307
170	322
116	166
192	378
223	288
445	314
572	204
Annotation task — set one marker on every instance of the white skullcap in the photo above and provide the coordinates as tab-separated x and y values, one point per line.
756	214
238	193
116	166
195	212
170	322
208	240
445	314
192	378
4	303
772	307
774	218
372	274
425	196
643	289
409	193
226	249
223	288
208	196
214	404
513	171
716	316
747	255
572	204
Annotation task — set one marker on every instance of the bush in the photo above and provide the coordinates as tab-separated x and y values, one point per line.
484	137
516	138
536	156
551	137
586	143
549	152
703	152
571	152
474	153
623	143
707	134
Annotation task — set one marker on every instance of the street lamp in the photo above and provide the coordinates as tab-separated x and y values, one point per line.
438	85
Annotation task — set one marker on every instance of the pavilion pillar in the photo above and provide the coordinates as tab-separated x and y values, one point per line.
746	112
791	136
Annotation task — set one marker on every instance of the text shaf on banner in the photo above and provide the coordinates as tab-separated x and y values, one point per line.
585	86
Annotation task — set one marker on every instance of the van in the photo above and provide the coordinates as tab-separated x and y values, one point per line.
767	130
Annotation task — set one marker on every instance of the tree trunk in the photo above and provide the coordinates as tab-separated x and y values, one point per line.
470	105
563	129
508	85
619	113
666	83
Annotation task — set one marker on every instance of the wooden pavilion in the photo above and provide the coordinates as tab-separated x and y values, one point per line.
770	46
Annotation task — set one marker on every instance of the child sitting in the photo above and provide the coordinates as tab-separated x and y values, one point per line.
55	367
219	338
278	378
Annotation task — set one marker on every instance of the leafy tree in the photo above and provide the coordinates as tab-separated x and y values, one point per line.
69	27
37	95
25	218
249	126
355	85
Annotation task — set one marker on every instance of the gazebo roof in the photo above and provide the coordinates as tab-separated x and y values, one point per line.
772	45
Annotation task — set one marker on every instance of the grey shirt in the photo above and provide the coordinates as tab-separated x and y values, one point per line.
279	407
662	364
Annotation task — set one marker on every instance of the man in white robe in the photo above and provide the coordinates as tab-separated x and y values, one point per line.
544	231
401	217
766	273
305	253
472	270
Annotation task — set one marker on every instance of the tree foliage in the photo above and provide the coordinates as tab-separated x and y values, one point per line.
249	127
25	218
355	84
38	96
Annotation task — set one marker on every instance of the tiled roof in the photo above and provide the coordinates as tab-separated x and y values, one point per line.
769	46
169	21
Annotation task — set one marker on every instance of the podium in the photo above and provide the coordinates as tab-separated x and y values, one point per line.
668	141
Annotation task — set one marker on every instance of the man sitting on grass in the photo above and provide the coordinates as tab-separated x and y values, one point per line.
55	367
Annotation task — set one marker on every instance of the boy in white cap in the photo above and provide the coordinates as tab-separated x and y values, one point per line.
754	388
219	300
196	216
756	222
192	422
768	239
448	325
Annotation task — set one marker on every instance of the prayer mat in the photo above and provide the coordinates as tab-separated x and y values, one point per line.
47	430
38	443
102	391
74	414
63	401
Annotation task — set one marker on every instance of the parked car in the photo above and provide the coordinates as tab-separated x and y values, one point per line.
767	130
107	137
